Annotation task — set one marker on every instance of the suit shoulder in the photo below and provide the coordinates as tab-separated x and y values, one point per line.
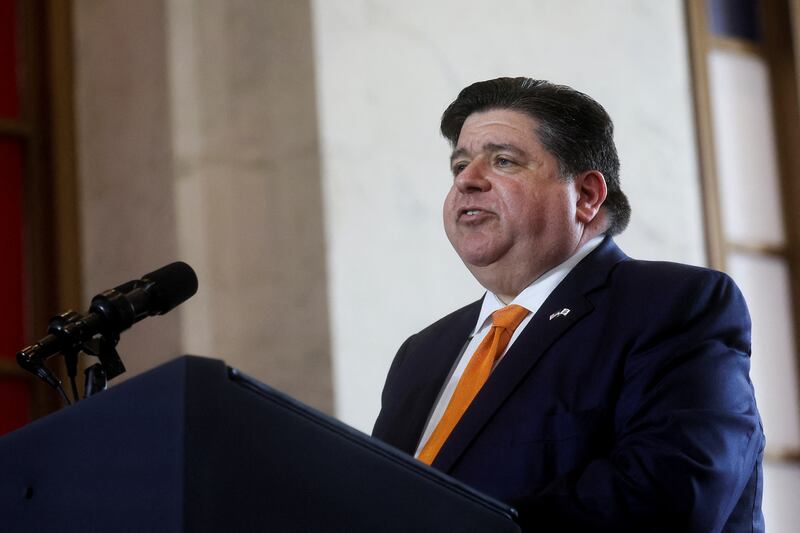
683	292
670	274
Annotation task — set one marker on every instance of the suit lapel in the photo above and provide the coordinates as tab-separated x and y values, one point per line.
539	335
405	429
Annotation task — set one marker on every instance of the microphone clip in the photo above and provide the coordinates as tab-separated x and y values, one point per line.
97	332
66	331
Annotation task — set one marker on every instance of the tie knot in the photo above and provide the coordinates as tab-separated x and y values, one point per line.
509	317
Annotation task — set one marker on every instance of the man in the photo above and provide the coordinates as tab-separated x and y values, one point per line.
591	391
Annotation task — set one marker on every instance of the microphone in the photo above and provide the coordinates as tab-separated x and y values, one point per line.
154	294
112	312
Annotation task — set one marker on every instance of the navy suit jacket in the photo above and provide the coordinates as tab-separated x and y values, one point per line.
634	411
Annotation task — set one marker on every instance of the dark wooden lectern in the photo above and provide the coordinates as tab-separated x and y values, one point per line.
197	446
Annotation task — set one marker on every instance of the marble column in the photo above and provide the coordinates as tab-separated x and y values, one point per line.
198	141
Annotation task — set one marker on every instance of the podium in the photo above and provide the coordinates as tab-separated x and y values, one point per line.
197	446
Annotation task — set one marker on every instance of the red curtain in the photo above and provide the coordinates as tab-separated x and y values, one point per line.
14	393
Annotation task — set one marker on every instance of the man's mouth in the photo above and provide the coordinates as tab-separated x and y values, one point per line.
472	213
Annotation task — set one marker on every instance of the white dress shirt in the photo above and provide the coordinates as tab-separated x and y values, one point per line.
531	298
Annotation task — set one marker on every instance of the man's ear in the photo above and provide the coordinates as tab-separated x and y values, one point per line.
591	188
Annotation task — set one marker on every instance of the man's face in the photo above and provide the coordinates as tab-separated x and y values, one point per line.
509	214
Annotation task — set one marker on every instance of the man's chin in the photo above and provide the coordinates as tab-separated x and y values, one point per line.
478	250
478	261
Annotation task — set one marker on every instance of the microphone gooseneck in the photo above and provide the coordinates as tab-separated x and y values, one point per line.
110	313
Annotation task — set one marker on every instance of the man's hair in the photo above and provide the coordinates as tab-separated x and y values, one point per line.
571	126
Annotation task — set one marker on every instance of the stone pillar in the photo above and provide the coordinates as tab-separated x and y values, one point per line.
249	198
124	160
198	141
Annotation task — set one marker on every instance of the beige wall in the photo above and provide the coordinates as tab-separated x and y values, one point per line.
289	151
249	194
387	70
125	168
198	141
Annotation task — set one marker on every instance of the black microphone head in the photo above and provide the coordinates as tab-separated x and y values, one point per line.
170	286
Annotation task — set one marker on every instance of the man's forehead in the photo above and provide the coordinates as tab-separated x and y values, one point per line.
509	123
500	114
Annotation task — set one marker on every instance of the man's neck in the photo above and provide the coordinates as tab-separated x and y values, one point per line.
582	251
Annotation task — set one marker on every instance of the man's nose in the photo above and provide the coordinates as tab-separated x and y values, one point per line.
473	178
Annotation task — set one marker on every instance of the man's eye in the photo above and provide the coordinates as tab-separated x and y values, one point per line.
458	167
503	162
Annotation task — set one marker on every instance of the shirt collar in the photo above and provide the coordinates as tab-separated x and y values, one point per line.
534	295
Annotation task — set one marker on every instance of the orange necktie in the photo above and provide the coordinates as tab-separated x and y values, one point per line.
504	322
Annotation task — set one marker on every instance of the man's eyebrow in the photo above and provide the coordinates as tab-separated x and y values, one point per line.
458	152
505	147
488	147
